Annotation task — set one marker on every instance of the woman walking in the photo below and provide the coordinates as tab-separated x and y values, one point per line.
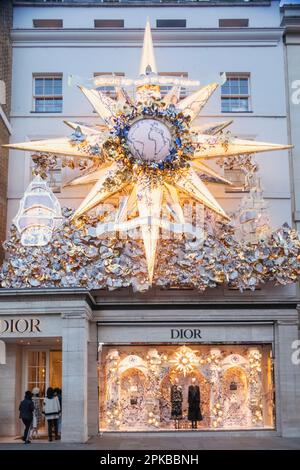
52	412
26	409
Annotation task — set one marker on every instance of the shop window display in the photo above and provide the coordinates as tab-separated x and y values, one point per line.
183	387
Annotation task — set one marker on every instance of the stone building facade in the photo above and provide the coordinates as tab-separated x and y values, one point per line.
114	354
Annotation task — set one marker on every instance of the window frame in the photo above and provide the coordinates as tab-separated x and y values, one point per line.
239	75
183	20
41	23
44	96
121	22
233	22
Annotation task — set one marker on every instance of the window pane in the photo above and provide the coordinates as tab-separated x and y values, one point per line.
36	370
48	105
39	86
244	89
36	358
234	90
58	86
48	86
235	104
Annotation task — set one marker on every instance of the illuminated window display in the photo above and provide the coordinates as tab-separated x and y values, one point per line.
182	387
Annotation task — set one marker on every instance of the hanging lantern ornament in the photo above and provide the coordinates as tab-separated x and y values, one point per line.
39	214
252	222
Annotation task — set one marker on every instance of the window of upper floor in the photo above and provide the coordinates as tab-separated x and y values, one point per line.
233	22
235	93
47	93
109	23
47	23
171	23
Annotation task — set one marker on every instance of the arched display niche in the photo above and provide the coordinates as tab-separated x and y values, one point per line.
184	382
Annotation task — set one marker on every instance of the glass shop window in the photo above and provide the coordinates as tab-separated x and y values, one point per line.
235	94
155	387
108	89
47	93
164	89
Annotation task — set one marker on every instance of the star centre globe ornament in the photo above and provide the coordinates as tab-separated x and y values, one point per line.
149	140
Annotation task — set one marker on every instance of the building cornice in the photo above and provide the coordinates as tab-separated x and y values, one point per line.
94	299
57	294
133	37
143	4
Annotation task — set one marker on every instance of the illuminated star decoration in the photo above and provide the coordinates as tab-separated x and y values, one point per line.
185	360
148	151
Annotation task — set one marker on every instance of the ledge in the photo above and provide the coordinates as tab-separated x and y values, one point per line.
149	300
142	4
162	37
42	293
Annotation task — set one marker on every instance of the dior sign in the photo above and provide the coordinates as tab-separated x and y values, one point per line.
185	333
20	325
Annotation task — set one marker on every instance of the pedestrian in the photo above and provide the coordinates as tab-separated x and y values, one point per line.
37	413
26	409
52	412
58	393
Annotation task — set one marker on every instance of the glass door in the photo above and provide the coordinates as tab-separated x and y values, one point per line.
43	369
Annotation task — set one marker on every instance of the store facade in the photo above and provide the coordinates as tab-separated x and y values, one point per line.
116	364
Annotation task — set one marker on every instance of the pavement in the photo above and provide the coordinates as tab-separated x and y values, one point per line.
159	442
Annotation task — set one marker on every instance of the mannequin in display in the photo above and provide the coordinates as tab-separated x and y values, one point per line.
194	413
176	402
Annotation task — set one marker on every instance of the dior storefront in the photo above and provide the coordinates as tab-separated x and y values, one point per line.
151	368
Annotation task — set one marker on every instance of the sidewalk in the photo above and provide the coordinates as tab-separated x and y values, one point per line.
149	442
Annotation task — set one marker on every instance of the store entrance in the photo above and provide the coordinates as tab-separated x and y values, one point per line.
182	387
42	368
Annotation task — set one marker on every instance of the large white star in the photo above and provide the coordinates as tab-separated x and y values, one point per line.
147	193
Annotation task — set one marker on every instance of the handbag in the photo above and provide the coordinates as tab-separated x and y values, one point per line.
34	421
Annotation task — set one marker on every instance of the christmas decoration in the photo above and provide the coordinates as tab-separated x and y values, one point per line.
150	154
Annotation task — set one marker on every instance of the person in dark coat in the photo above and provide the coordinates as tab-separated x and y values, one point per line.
26	409
194	412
